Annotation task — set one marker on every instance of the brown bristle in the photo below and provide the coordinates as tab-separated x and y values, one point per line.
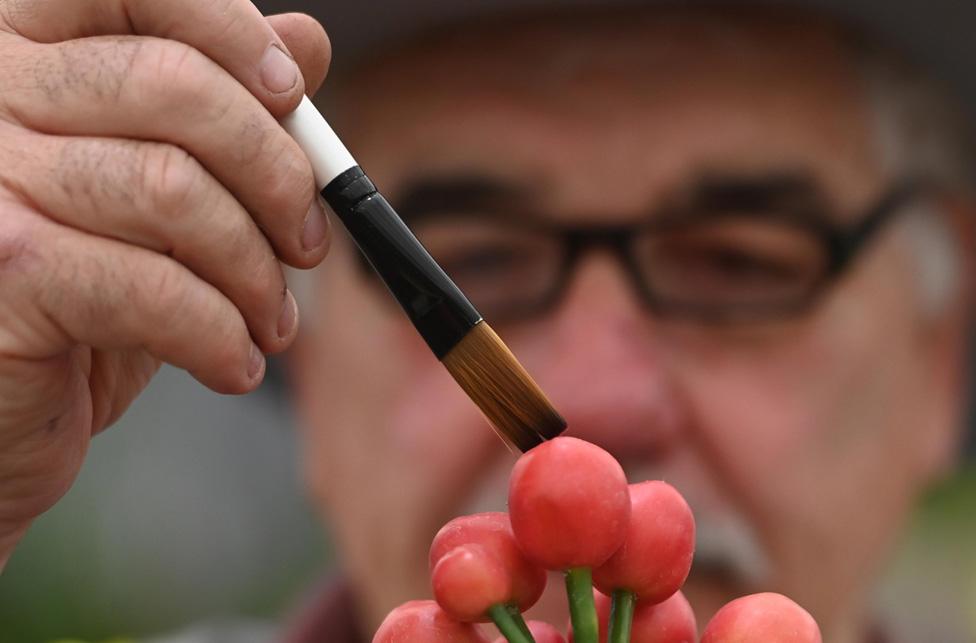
508	396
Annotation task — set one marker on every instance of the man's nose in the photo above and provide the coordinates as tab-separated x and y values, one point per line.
602	361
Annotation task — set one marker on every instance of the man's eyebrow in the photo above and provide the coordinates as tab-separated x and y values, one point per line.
792	191
711	191
457	194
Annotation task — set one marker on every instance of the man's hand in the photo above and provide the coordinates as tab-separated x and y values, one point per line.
147	194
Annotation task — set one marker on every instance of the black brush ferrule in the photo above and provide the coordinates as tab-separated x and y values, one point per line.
438	309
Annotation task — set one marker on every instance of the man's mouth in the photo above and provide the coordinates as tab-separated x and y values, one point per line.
726	550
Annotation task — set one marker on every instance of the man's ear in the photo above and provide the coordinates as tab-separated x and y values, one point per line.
950	337
961	214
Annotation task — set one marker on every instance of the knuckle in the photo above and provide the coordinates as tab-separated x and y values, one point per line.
171	70
15	245
96	171
171	178
17	76
225	18
187	311
266	285
290	184
252	140
14	13
99	67
20	156
258	293
162	287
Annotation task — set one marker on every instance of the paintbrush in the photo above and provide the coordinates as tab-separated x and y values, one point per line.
471	351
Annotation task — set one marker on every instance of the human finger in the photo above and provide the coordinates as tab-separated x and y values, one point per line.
233	33
159	197
160	90
308	43
76	288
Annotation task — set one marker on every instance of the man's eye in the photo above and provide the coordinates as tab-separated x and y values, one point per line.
717	271
480	261
739	264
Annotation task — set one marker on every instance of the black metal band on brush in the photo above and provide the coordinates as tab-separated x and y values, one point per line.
438	309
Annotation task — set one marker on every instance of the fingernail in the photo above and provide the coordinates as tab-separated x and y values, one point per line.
279	73
316	226
256	363
288	317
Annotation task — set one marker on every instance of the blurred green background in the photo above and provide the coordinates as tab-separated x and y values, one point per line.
191	510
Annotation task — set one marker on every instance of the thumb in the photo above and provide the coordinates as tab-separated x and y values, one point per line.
308	44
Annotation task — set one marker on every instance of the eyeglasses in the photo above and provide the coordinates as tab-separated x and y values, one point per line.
739	258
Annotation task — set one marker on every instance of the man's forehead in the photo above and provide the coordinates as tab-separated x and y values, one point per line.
552	48
649	89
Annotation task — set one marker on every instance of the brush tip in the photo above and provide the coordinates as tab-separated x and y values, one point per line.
494	379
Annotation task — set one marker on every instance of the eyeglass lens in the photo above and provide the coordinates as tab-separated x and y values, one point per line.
721	266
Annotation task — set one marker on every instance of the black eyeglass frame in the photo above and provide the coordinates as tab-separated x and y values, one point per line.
842	244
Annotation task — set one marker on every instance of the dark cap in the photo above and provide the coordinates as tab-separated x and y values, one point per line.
938	34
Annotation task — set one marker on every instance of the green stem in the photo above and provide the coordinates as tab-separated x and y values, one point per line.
517	617
621	616
582	611
508	626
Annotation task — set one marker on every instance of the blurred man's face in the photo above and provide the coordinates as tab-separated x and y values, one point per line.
800	442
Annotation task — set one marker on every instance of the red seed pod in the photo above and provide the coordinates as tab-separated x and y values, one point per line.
672	621
770	618
542	632
468	581
655	557
425	622
569	504
493	531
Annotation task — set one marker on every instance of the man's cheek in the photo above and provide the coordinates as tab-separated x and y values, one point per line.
749	413
759	440
430	409
433	422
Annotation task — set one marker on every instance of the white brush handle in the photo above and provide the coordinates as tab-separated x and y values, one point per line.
329	157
